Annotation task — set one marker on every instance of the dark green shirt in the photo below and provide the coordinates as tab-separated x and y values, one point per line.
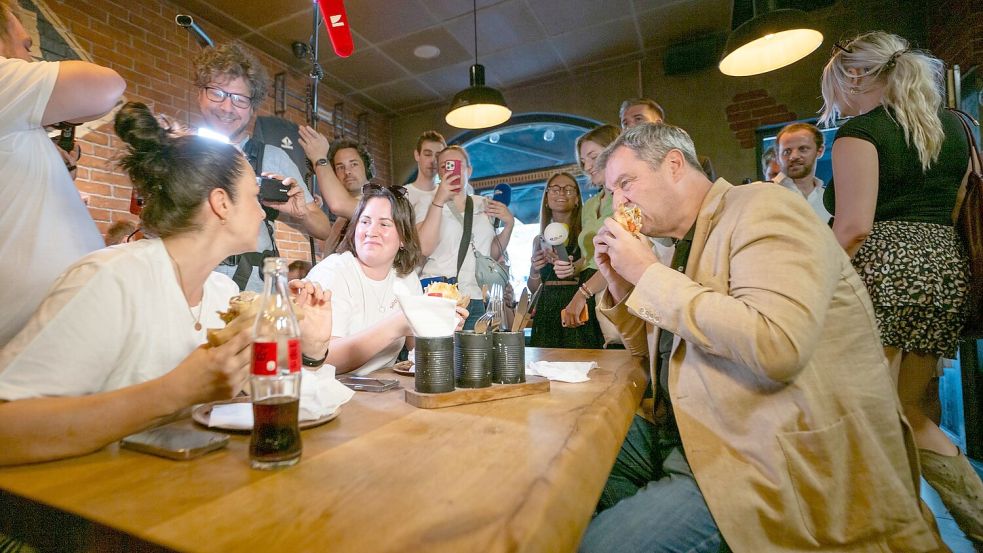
905	192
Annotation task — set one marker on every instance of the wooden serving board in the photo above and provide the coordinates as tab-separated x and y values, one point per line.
461	396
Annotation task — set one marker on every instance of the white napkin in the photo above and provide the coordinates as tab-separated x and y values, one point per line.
560	371
411	355
320	395
429	316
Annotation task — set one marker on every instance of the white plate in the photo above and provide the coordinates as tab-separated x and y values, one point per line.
202	413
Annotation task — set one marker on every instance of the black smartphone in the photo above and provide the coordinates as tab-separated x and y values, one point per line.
272	190
175	442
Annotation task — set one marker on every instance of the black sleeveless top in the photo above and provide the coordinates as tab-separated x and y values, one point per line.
905	191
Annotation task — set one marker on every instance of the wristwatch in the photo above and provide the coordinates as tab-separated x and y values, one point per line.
321	162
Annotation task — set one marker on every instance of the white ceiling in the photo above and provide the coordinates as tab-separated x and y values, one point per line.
518	40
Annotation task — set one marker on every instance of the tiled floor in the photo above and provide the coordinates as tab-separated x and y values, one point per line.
951	534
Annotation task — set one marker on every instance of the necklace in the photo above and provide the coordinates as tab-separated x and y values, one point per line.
180	282
380	302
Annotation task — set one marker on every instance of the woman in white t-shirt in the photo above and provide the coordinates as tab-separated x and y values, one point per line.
117	343
381	251
442	230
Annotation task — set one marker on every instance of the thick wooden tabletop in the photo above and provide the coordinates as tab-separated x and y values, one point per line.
519	474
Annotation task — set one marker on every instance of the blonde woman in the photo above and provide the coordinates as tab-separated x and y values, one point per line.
598	208
897	166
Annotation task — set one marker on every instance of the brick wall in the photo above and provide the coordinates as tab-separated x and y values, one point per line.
141	41
749	110
955	32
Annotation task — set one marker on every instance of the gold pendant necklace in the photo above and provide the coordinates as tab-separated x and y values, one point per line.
180	283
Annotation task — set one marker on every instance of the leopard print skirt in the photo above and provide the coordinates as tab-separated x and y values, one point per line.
917	275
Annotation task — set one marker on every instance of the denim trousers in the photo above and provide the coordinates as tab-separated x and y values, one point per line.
651	503
475	310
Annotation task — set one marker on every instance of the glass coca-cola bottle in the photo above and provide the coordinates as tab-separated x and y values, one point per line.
275	379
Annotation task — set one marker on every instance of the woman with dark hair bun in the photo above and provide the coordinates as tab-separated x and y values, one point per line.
118	343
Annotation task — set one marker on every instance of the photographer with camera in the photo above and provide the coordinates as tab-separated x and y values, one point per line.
231	85
44	226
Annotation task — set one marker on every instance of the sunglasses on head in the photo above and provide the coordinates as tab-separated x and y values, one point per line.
396	191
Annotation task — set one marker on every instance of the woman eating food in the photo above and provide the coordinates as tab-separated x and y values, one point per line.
118	344
381	251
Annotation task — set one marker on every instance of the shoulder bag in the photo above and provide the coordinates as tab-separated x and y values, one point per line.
967	217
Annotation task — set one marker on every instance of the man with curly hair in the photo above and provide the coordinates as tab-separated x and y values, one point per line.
231	85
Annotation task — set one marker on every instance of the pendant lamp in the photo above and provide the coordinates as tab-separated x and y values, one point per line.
769	40
478	106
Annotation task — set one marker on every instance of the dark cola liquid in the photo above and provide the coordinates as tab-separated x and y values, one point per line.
276	437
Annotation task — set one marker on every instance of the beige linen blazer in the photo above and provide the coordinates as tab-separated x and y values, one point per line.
788	415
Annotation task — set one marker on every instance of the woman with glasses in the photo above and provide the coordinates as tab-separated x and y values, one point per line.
897	166
380	254
561	204
595	211
118	344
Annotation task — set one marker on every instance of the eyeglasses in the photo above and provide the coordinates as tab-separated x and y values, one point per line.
218	96
371	189
564	190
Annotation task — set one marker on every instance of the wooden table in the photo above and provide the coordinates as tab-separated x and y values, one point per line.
520	474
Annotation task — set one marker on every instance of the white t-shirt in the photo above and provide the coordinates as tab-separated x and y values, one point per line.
44	226
443	261
358	302
815	198
116	318
420	200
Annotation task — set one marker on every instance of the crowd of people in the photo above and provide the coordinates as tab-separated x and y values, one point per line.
791	326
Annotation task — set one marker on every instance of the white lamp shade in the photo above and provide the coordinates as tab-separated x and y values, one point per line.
771	52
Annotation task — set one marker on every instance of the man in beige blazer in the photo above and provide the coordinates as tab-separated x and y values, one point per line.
776	381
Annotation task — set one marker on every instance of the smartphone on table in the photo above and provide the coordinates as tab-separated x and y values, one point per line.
175	442
366	384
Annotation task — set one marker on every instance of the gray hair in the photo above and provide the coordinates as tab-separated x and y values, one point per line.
651	142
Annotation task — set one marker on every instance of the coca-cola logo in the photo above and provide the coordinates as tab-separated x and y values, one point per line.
265	358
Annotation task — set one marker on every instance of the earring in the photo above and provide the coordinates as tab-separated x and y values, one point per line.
223	221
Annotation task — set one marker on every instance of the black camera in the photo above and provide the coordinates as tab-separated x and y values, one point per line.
272	190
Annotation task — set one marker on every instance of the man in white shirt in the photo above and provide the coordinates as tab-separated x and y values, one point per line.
231	85
799	146
44	226
421	192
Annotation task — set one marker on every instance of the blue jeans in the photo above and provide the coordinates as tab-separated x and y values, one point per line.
651	502
475	310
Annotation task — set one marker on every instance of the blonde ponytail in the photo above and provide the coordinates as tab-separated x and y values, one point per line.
912	81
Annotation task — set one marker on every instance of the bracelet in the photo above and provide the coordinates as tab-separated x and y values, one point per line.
435	204
585	292
535	276
311	362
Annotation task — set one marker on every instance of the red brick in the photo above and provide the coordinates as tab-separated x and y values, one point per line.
111	178
751	94
123	192
90	187
109	203
99	214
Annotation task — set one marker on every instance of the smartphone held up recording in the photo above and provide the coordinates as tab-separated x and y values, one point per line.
272	190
